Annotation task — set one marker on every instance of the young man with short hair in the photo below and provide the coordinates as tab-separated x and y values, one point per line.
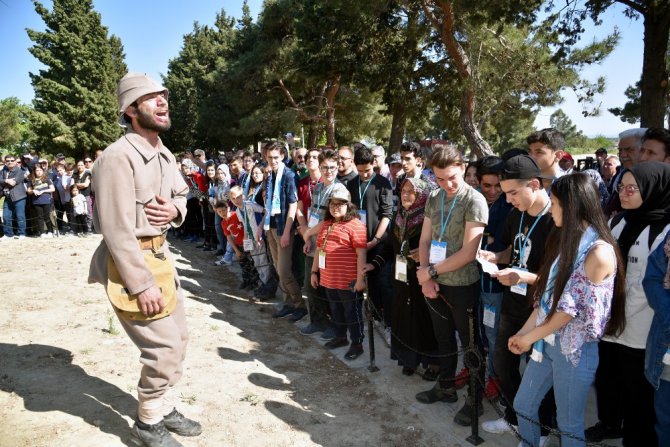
372	195
280	207
345	165
309	226
547	148
525	233
489	172
656	145
410	159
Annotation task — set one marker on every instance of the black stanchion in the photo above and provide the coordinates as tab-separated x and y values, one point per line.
371	333
473	361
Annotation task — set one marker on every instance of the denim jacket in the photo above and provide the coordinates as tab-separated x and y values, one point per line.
288	194
658	340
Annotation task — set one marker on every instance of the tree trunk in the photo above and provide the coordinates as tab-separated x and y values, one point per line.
477	144
331	93
654	82
461	61
397	127
312	135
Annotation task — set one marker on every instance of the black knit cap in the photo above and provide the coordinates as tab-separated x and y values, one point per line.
521	167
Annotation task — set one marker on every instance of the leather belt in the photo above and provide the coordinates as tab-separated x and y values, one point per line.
152	242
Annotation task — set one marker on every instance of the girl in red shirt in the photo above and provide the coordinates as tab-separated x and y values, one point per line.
338	267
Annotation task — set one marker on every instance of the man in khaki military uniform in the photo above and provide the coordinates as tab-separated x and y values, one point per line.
139	195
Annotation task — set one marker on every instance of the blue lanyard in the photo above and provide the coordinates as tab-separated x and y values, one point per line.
319	202
362	196
522	247
444	223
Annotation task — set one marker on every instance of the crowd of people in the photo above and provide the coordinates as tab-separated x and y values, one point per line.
562	269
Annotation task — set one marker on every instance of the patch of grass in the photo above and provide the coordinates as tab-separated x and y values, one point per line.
188	399
250	398
213	327
86	351
111	324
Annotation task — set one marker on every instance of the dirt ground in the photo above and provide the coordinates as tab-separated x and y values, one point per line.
68	372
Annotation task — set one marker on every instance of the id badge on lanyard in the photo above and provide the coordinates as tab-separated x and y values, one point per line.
489	315
248	244
322	259
438	252
363	218
401	268
313	219
522	287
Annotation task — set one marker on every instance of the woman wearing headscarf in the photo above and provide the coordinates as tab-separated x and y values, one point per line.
625	399
412	338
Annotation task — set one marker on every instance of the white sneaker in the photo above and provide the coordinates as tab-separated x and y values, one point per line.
222	261
22	237
543	441
498	426
44	236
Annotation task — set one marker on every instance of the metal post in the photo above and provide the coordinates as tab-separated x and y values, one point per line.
473	362
371	333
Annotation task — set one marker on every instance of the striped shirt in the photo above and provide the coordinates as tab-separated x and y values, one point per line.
340	247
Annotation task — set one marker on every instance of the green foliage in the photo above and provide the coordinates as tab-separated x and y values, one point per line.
15	131
75	96
562	122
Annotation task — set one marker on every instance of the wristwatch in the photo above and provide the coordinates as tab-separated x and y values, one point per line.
432	271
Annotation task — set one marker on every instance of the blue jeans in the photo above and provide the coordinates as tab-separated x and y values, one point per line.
491	302
662	407
571	388
10	210
219	232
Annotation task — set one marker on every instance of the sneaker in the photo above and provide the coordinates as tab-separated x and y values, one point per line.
437	394
22	237
50	234
44	236
464	415
221	262
462	378
312	328
284	312
355	351
543	441
328	334
336	343
180	424
155	435
600	432
499	426
492	388
297	314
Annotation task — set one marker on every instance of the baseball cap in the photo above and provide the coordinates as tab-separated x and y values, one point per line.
132	87
60	155
521	167
340	192
567	156
394	159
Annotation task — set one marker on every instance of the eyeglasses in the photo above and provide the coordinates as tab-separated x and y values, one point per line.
629	190
87	161
337	204
343	159
10	160
328	168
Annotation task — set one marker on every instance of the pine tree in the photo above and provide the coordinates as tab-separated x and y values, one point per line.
75	95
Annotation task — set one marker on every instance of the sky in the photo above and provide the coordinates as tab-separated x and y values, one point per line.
152	33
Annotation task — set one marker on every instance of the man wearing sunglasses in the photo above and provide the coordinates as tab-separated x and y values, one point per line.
12	179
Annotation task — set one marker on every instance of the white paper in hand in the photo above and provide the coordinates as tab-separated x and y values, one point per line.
488	266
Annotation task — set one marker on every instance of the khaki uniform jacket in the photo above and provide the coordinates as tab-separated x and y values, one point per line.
130	174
